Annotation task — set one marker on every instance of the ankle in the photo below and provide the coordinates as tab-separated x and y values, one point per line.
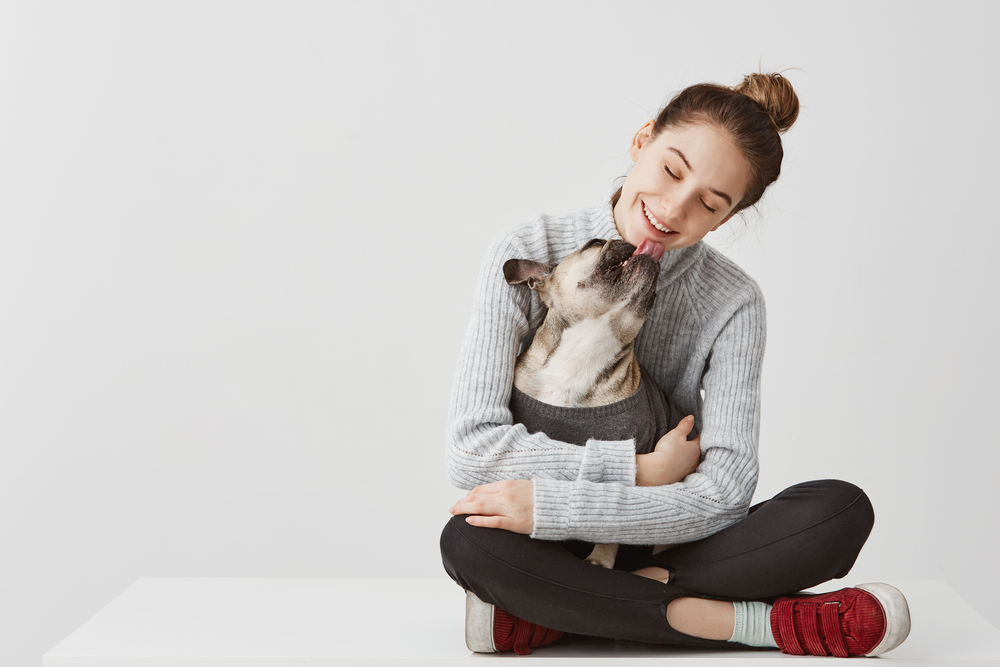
753	624
697	617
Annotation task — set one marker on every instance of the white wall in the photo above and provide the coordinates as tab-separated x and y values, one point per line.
239	242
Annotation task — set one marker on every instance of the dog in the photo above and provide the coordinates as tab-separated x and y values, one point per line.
582	355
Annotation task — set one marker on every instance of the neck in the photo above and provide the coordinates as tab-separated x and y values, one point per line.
583	365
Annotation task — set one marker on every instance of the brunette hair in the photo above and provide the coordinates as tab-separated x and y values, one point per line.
753	113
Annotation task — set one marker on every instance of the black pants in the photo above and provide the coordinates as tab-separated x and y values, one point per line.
805	535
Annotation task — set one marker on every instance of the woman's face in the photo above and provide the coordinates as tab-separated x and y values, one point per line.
685	183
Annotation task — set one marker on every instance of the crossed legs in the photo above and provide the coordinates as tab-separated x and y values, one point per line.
807	534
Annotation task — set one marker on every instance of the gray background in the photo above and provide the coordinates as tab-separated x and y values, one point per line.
239	242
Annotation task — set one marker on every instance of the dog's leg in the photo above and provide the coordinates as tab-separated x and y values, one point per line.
603	555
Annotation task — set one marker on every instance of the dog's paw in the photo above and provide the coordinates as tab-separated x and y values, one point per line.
602	563
603	555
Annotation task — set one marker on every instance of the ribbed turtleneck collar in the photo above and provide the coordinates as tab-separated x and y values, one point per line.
672	264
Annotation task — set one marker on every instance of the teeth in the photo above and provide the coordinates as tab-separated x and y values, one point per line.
653	221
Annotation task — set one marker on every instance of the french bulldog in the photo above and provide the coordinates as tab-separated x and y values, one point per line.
582	355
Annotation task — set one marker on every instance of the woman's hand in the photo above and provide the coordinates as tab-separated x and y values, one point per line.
509	505
674	457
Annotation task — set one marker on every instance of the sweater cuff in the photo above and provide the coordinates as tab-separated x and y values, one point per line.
552	509
608	461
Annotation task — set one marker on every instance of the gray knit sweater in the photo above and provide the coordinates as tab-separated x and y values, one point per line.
705	333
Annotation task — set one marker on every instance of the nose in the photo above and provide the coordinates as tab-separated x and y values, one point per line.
671	209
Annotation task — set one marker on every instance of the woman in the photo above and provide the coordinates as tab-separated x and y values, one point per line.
518	539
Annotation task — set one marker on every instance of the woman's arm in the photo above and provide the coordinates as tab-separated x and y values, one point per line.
509	505
715	496
483	443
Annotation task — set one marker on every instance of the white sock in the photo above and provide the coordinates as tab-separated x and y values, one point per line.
753	624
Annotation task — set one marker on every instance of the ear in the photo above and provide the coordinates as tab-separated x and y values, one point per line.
517	271
640	139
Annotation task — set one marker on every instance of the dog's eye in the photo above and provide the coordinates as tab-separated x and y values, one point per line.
594	242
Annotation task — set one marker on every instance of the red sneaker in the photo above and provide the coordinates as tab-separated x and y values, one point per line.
489	629
867	620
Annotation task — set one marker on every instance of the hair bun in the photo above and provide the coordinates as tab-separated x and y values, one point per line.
773	92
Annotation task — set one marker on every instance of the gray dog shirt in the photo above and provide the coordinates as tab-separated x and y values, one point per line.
644	416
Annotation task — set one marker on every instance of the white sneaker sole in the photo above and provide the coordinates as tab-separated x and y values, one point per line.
478	624
897	616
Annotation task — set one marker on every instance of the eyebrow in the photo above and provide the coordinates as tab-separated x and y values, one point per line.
688	164
729	200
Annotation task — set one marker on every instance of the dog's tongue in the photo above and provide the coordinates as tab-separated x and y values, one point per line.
651	248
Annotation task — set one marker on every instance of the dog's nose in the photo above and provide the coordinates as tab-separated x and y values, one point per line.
620	245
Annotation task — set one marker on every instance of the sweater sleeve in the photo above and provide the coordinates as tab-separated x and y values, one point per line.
717	495
483	443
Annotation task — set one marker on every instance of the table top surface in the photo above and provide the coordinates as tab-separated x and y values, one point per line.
293	621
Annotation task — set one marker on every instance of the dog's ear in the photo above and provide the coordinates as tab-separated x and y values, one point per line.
517	271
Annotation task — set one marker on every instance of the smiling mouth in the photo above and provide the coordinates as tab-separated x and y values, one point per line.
656	223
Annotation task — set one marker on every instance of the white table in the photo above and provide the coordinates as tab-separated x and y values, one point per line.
210	622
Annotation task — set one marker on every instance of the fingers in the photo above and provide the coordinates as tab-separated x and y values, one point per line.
676	435
486	513
472	503
478	502
476	505
502	522
685	425
474	499
508	504
493	487
514	521
466	507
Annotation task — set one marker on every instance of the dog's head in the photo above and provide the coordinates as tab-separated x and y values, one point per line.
601	278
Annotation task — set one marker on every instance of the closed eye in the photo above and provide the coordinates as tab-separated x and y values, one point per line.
677	178
592	243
